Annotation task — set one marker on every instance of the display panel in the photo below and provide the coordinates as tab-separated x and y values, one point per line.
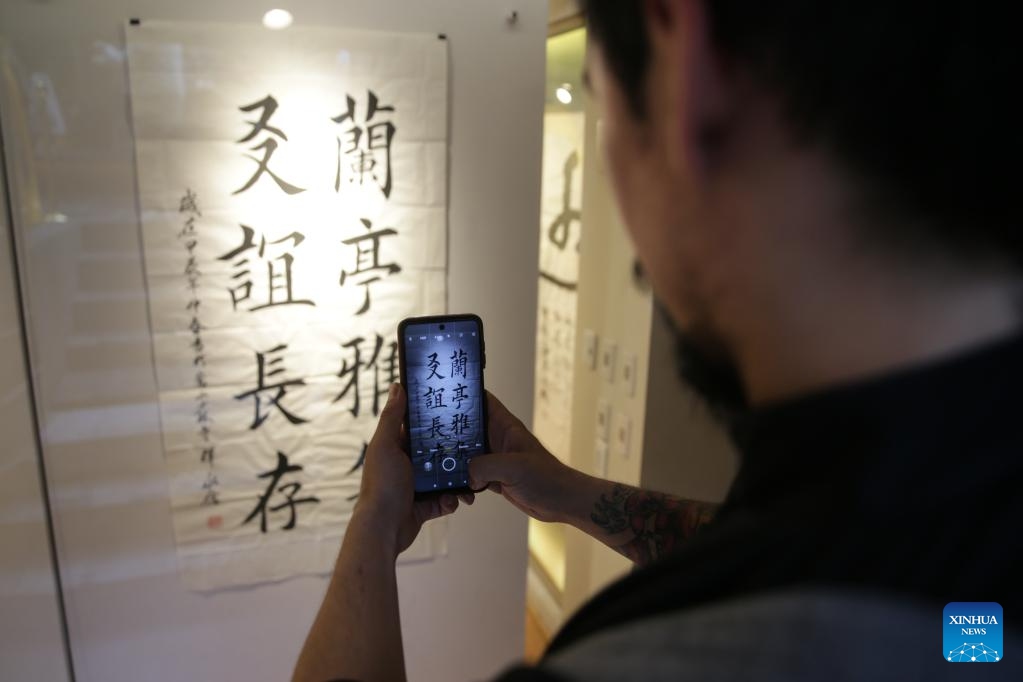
442	363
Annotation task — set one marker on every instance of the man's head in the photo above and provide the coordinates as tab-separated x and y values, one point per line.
764	154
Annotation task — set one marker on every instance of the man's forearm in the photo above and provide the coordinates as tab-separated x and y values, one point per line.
640	524
357	632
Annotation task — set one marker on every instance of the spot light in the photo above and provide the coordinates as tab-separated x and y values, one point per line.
564	93
277	19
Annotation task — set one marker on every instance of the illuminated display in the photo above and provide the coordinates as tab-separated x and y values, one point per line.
292	187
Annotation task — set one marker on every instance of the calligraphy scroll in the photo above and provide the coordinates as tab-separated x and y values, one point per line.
292	188
560	235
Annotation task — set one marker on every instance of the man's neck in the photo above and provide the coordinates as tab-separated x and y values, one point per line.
857	327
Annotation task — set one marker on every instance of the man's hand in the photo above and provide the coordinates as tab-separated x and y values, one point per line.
387	497
521	469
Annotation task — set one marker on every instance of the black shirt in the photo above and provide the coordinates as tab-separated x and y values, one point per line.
908	485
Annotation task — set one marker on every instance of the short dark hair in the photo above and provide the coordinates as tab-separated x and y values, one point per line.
912	97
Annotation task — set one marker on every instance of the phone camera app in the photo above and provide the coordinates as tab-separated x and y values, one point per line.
443	374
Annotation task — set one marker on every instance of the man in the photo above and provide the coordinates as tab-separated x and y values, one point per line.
813	191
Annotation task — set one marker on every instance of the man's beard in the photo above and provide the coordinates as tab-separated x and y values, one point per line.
706	366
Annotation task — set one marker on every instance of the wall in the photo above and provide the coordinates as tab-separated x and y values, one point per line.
77	230
560	233
617	314
31	644
562	9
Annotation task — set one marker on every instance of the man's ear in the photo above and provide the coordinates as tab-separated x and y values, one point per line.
687	91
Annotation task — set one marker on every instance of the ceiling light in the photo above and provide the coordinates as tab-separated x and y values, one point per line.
277	19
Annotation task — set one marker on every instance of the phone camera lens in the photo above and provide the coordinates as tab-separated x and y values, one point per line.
442	327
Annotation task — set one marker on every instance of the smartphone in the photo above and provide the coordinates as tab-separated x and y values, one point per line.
441	361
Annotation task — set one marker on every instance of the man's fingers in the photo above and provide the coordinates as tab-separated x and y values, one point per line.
500	423
499	467
447	504
507	433
467	498
496	410
435	507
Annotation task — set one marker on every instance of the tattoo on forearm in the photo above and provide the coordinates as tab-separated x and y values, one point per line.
609	512
658	522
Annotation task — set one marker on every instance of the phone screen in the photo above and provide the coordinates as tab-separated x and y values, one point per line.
442	370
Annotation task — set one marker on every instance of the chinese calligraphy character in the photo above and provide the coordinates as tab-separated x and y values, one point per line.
367	259
436	429
559	230
268	366
384	372
433	364
210	486
459	396
202	412
190	204
192	272
365	146
289	490
460	424
458	363
268	105
434	398
278	270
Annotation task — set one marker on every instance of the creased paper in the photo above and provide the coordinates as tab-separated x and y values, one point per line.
292	189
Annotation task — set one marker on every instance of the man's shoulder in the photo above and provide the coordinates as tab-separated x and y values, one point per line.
805	634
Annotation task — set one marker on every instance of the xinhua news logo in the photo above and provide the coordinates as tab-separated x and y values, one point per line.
973	632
